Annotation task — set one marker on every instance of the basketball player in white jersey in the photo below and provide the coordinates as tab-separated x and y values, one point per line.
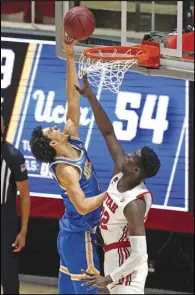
125	209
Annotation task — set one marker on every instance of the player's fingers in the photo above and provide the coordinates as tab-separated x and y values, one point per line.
88	283
18	248
88	273
66	39
88	278
78	89
16	243
73	42
63	34
85	77
92	287
85	80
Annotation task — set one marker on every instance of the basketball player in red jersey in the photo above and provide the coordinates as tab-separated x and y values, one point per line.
125	209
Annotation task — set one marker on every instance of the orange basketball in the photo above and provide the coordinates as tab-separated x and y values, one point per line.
79	23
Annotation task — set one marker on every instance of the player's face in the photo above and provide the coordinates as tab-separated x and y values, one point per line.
131	162
55	134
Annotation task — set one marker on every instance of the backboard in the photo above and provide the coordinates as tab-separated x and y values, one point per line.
126	23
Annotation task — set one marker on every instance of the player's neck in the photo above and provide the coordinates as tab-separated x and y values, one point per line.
68	151
125	184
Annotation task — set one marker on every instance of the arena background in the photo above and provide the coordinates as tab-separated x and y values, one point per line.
37	76
40	256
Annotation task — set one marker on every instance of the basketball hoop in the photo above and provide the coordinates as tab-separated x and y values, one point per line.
106	66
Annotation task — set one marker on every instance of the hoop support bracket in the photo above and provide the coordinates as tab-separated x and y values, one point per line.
153	49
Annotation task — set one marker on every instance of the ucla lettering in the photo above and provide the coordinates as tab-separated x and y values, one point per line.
87	169
45	111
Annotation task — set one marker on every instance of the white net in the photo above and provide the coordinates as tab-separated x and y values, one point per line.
107	73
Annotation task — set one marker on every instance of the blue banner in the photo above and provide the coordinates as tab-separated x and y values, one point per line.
150	111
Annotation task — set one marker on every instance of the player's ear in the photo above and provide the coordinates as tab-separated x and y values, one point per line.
53	143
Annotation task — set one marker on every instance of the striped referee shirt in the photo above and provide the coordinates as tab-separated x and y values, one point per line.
13	169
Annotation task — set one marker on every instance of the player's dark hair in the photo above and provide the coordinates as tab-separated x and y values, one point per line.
40	146
150	162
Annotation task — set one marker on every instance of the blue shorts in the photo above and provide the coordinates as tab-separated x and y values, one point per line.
77	251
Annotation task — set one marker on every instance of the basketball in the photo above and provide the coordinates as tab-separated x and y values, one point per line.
79	23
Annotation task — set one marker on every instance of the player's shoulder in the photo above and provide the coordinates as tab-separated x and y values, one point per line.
112	187
138	192
67	172
64	168
116	178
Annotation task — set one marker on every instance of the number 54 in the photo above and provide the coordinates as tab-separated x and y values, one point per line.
159	124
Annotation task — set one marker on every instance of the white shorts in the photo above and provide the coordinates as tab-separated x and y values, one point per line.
134	283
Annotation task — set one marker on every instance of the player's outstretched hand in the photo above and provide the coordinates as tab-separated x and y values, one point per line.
96	281
86	89
67	43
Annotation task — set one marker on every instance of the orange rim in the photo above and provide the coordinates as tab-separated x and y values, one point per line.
138	52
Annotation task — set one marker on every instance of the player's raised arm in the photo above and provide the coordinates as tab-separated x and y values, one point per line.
69	178
104	125
73	97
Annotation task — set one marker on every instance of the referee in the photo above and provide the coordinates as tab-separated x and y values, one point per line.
13	177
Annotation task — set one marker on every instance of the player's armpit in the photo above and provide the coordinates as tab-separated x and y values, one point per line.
69	178
71	129
135	213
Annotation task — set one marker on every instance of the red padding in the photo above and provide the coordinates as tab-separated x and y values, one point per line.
158	219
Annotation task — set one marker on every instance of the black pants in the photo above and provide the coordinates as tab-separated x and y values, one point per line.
9	259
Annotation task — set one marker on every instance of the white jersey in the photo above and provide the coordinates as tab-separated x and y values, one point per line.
113	222
114	230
